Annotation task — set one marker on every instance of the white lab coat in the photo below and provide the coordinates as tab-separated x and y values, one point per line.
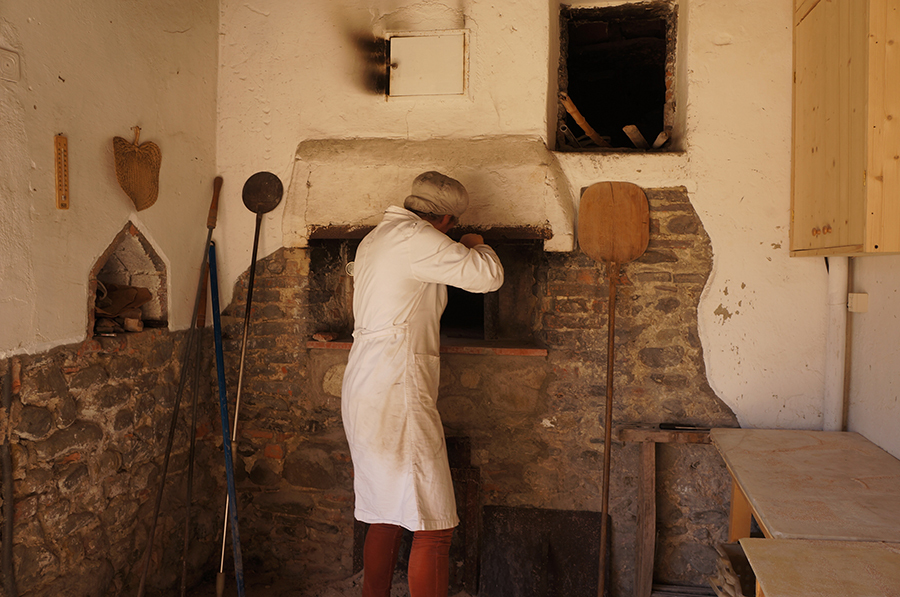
389	395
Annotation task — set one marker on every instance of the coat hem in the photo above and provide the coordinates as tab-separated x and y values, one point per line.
422	525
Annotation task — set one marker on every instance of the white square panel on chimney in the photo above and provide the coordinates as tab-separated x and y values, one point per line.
432	63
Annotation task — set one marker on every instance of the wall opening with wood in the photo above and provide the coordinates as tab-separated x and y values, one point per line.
617	68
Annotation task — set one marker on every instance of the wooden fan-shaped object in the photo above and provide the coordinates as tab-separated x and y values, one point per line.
137	169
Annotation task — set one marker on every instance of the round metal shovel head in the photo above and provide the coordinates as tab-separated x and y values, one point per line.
262	192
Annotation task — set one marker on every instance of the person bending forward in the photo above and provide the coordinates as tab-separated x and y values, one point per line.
389	395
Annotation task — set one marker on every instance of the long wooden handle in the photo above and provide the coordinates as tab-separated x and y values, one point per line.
612	270
214	206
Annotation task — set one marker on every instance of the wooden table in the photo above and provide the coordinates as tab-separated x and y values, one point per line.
810	485
808	568
645	548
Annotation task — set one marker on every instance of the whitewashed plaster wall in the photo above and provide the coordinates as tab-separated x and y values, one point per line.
91	71
291	72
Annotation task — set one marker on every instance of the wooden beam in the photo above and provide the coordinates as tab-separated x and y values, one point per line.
645	546
636	137
663	436
646	521
740	515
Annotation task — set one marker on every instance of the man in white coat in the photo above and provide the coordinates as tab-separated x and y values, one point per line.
389	396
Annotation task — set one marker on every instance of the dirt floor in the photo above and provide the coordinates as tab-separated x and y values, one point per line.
350	587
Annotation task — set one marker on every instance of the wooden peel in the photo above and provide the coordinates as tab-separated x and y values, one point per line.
613	227
137	169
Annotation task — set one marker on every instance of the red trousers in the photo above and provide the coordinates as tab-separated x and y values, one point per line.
429	561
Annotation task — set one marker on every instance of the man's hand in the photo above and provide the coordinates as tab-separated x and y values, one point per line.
470	240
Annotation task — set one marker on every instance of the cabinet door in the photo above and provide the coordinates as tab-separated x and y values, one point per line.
828	211
883	166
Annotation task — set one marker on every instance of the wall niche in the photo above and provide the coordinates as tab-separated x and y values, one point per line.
617	66
127	290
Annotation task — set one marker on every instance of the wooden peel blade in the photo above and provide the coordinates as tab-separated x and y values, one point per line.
614	222
613	227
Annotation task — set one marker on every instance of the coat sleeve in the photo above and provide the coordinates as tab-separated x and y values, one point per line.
437	259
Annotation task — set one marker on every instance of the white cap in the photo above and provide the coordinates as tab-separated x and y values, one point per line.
434	193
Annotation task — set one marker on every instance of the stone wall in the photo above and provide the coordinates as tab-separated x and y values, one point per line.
88	434
534	423
293	468
90	424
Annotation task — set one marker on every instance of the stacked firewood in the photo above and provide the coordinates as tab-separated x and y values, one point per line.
734	576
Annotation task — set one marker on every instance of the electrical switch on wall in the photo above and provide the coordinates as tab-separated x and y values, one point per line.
858	302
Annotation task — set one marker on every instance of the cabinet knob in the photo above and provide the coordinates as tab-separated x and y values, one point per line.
816	232
826	228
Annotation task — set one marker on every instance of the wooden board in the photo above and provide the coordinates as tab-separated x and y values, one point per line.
814	484
799	568
645	540
614	222
535	552
645	543
828	199
802	8
663	436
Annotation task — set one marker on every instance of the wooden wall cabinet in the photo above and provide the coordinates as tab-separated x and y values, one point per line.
845	173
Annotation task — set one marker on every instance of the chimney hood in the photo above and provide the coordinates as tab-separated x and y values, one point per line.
514	182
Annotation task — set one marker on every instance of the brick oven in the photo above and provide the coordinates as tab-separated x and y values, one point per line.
521	396
522	387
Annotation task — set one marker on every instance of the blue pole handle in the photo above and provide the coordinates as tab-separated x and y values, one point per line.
226	434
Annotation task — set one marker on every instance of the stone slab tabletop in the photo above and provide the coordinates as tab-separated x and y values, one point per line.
809	568
815	484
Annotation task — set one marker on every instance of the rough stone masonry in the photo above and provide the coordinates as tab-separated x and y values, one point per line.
534	423
88	432
89	427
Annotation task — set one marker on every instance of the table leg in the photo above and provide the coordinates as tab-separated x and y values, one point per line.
740	515
646	519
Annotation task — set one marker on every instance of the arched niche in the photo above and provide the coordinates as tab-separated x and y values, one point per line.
128	282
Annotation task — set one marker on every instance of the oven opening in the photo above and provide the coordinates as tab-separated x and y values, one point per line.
504	317
464	315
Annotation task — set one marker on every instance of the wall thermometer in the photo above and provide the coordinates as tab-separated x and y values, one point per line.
62	172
